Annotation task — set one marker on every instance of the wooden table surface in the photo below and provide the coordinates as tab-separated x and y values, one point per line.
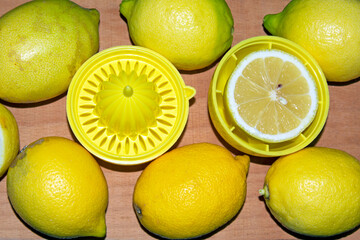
342	131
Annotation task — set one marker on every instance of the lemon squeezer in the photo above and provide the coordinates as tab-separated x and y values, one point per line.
128	105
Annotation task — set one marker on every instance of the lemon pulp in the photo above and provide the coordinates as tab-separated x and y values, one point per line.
271	96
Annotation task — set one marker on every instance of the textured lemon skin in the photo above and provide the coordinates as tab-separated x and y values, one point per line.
315	191
58	188
328	30
9	140
191	34
191	191
42	44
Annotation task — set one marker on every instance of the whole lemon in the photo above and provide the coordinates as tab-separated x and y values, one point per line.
9	139
42	44
190	191
315	191
58	188
191	34
328	29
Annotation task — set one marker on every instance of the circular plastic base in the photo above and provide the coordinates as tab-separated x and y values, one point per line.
233	134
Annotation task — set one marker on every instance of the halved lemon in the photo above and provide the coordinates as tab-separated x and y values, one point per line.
271	95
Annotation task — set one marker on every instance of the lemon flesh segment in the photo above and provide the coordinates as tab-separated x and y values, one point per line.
271	96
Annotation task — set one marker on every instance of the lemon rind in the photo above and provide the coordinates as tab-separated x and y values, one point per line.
232	106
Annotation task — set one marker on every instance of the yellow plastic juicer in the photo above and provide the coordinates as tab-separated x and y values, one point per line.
128	105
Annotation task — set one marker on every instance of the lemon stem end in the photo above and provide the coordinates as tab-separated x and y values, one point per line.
126	8
271	22
138	211
265	192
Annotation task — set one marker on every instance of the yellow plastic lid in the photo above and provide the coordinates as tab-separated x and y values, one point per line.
233	134
128	105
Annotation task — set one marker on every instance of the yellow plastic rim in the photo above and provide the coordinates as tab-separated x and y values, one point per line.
128	105
222	120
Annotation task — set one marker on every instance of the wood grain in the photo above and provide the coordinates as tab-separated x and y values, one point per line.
342	131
